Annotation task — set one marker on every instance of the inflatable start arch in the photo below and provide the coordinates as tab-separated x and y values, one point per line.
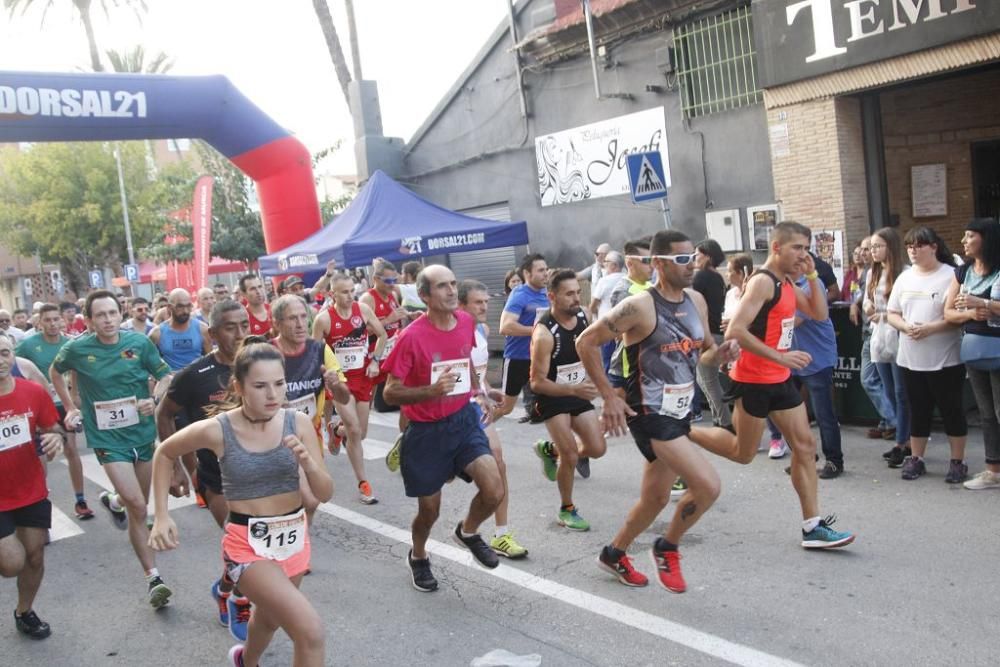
105	107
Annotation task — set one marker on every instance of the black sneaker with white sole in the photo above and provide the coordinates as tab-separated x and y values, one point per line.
119	518
420	573
159	593
481	551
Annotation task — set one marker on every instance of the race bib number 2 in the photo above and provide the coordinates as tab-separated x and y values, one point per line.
459	367
116	414
14	432
277	537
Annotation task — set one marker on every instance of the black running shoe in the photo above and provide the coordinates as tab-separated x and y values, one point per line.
29	624
420	573
897	455
119	518
480	550
583	466
159	594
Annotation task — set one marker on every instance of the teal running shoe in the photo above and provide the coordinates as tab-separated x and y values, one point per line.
825	537
572	520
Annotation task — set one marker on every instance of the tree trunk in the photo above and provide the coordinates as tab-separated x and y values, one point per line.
83	6
333	45
352	35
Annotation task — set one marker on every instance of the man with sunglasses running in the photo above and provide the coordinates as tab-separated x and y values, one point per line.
763	325
383	300
665	332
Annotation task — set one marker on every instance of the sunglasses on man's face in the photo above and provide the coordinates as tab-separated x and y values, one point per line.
387	281
679	260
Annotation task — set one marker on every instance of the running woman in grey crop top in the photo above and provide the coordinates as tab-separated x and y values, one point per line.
263	451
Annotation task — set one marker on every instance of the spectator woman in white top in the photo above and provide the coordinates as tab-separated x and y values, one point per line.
968	304
887	265
738	270
929	351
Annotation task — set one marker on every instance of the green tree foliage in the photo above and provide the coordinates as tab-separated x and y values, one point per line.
61	201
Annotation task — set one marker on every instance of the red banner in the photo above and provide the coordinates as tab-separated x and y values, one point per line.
201	223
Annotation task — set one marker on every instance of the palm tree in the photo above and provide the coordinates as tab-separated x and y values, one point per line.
83	9
332	45
134	61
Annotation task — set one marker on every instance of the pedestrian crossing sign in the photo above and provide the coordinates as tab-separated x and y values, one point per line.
646	176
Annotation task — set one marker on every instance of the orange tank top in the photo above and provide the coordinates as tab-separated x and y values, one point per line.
775	326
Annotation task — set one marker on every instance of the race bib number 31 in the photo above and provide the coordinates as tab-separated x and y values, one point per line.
460	367
116	414
677	400
14	432
277	537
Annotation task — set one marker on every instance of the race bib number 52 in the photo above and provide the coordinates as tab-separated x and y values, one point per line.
677	400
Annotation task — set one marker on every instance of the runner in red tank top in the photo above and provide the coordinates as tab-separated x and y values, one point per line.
259	311
763	324
382	300
345	327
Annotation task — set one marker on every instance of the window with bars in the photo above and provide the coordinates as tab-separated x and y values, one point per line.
716	68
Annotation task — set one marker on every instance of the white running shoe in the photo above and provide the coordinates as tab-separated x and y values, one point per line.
984	480
778	449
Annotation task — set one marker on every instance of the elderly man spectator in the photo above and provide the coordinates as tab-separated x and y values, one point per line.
600	295
594	272
206	300
7	326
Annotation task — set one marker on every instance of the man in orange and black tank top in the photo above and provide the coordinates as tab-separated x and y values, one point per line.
255	298
345	327
763	325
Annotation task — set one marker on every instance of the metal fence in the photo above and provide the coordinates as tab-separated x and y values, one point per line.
716	67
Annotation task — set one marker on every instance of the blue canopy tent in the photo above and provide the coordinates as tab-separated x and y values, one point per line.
387	220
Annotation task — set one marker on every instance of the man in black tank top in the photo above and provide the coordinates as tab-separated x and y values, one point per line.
197	386
666	335
563	394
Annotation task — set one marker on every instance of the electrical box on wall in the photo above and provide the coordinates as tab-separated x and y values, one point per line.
725	227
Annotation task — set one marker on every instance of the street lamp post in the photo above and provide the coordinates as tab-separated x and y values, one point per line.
121	188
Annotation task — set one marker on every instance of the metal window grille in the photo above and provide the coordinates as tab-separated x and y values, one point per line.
716	67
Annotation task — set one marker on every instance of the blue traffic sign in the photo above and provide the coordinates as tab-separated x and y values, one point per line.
646	177
132	273
96	279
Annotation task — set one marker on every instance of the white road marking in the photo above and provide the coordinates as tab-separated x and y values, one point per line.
94	471
684	635
376	449
387	419
62	526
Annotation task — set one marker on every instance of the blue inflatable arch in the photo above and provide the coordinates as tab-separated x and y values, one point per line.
102	107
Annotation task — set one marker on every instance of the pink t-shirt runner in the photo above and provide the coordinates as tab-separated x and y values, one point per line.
423	352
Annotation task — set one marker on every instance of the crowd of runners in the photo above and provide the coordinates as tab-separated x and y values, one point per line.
238	399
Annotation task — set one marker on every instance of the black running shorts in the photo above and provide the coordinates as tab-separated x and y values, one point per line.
759	400
646	428
209	473
36	515
544	408
515	375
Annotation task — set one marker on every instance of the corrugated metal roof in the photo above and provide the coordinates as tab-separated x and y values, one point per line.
975	51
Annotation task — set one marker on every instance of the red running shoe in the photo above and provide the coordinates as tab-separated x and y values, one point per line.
621	568
668	567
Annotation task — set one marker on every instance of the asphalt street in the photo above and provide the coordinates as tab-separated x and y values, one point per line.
918	587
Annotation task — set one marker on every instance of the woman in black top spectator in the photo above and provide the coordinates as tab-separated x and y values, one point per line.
968	303
711	285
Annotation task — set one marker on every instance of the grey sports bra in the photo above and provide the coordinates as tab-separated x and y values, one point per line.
248	475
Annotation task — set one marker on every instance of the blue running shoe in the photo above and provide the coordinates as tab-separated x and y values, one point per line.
239	617
222	601
825	537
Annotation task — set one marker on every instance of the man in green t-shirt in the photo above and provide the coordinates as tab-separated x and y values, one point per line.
113	368
41	348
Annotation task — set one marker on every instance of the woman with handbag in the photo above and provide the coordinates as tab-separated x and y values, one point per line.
929	351
887	264
969	304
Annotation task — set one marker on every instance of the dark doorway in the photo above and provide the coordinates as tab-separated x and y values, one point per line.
986	178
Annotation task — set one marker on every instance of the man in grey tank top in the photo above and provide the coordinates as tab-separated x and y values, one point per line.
666	328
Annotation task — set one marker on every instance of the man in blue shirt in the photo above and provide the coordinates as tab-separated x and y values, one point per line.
517	323
818	338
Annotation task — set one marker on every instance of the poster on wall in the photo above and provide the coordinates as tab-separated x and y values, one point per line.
762	220
829	246
929	185
588	162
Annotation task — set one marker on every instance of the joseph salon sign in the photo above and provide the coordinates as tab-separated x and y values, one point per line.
588	162
799	39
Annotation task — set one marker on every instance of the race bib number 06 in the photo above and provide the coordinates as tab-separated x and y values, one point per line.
277	537
116	414
14	432
460	367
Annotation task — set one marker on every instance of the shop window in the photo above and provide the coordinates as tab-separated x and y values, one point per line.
716	68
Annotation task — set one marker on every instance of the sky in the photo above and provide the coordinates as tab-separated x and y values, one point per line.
274	52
